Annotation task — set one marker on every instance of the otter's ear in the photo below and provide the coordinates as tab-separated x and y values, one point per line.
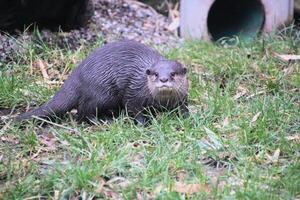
148	71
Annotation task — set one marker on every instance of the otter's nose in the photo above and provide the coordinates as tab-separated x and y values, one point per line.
163	80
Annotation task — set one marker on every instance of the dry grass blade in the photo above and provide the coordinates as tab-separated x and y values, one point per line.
42	66
255	94
55	124
287	57
175	17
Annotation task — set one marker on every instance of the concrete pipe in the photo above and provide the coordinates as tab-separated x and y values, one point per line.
297	9
216	19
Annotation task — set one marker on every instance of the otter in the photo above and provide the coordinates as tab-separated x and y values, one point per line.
119	75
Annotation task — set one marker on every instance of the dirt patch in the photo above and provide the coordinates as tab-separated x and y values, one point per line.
112	20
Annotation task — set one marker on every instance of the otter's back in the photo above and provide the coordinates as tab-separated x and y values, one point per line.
117	65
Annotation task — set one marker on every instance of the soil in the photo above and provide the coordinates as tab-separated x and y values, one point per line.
112	20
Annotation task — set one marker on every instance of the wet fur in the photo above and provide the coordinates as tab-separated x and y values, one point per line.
111	78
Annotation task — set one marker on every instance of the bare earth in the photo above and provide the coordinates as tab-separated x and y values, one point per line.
112	20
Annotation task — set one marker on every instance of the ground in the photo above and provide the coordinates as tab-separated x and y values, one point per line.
112	20
241	141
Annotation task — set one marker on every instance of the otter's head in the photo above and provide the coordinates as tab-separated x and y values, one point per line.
167	80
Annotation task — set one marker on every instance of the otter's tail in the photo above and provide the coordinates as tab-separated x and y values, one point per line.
64	100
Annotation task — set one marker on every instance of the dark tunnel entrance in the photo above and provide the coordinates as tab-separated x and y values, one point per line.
228	18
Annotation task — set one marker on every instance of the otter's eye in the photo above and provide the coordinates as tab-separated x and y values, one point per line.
156	74
173	74
148	72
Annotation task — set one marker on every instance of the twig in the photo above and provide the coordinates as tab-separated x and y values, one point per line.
55	124
253	95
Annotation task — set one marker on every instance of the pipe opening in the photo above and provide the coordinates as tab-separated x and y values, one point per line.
242	18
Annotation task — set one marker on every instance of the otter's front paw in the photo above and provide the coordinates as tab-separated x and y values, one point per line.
141	120
184	111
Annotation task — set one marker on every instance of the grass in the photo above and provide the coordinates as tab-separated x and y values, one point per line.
240	142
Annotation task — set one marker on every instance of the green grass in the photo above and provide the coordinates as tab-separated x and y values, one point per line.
245	120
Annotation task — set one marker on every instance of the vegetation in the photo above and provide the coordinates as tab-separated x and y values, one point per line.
241	140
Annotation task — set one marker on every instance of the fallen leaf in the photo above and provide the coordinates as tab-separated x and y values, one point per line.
273	158
100	187
214	175
56	194
289	70
256	68
190	188
241	91
48	141
193	109
142	195
226	155
177	146
148	25
106	191
180	175
292	137
139	196
226	121
110	194
255	117
118	183
158	189
10	139
137	159
36	154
